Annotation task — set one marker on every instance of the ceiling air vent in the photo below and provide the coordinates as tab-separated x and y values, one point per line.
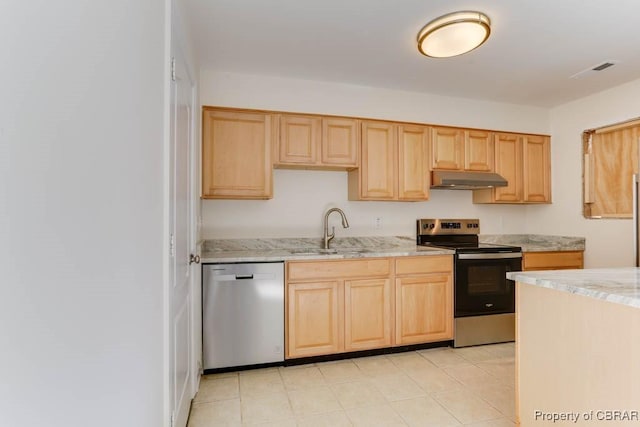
603	66
594	69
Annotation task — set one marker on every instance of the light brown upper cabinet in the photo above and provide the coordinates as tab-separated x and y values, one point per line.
447	148
508	163
316	142
478	151
236	154
340	142
299	142
524	161
460	149
385	160
394	163
376	177
537	169
413	162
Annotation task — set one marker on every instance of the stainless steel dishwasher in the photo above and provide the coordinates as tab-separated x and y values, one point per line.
242	314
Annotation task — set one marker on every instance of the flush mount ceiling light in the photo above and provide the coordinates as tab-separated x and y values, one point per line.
454	34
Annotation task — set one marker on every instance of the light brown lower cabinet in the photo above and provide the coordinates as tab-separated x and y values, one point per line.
316	310
367	314
424	299
552	260
336	306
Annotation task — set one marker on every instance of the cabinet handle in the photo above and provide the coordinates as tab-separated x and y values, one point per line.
194	259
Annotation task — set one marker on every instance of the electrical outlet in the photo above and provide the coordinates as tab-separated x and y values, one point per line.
377	222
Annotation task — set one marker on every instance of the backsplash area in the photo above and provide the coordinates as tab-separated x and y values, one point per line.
302	197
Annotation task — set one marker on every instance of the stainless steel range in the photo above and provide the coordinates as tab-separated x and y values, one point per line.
484	299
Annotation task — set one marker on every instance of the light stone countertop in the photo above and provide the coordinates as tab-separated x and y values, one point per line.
536	242
617	285
284	249
287	249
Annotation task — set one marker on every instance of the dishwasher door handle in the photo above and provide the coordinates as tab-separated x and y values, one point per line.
234	277
256	276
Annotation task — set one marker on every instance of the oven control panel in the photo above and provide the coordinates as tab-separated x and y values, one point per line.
448	226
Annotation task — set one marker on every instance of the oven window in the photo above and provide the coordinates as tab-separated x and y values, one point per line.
481	286
483	279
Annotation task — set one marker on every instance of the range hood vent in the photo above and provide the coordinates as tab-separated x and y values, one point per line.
449	180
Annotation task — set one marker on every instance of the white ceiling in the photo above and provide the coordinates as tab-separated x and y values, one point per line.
534	48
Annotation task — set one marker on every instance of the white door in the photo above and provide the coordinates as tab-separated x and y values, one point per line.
181	223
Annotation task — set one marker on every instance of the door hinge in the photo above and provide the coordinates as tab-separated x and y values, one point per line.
173	69
172	245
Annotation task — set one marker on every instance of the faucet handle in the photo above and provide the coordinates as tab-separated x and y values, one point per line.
333	232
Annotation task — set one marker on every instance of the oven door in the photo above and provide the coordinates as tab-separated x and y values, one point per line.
481	285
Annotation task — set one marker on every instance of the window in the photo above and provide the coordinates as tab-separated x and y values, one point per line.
610	160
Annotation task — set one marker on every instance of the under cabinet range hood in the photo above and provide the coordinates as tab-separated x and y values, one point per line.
453	180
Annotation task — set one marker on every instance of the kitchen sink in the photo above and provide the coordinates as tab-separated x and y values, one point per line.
314	251
344	251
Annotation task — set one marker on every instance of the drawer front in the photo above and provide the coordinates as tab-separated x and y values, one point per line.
552	260
337	269
424	264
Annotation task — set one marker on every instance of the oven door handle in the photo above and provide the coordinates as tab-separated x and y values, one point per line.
502	255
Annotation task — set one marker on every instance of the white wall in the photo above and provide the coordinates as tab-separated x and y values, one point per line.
609	242
302	197
81	213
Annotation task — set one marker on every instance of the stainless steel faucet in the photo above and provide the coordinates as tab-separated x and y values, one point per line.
327	236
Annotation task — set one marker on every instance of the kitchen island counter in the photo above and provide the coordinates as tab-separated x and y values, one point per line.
617	285
577	346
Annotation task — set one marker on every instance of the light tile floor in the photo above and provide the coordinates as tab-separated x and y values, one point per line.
471	386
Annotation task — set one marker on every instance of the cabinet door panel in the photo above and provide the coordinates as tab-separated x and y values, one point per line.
478	151
340	142
314	319
378	169
367	314
552	260
447	148
424	265
424	308
537	169
299	271
413	163
299	140
509	164
227	170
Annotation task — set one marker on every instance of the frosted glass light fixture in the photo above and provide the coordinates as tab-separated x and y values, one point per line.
454	34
